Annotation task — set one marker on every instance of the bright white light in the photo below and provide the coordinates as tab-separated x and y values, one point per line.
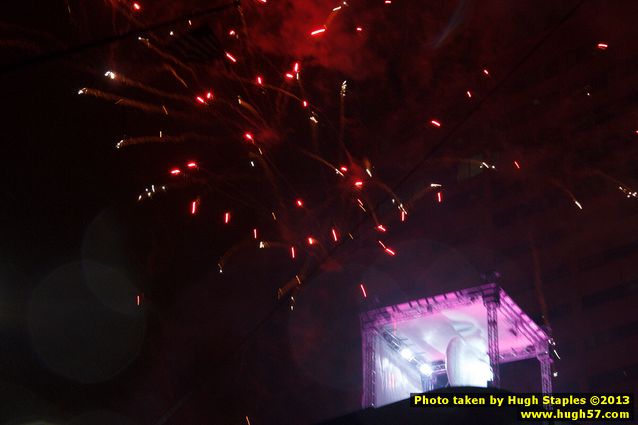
407	354
467	362
425	369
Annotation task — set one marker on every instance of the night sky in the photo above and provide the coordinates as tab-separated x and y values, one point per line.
401	129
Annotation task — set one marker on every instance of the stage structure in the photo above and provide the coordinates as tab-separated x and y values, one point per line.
458	338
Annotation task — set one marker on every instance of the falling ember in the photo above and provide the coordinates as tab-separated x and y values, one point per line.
231	32
209	95
403	214
110	74
334	235
175	171
345	169
231	57
226	217
260	81
296	67
628	192
486	72
468	93
439	197
191	164
435	123
359	29
311	241
200	100
289	76
292	252
358	184
381	228
137	6
248	136
299	203
305	104
194	207
602	46
318	31
255	233
390	252
578	204
363	290
517	165
138	300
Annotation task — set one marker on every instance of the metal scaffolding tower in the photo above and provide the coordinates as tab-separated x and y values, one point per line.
491	300
542	354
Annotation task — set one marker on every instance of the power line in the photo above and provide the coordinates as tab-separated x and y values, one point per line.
61	54
434	149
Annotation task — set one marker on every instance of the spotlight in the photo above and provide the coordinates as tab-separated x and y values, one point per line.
407	354
425	369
